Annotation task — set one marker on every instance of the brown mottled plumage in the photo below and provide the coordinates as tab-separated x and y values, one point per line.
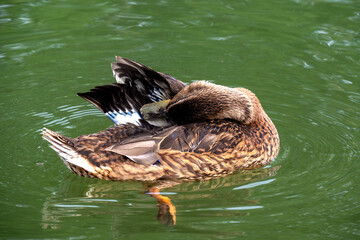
201	131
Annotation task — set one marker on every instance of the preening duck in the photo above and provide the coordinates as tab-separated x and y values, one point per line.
165	129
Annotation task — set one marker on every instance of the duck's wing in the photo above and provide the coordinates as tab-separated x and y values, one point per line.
119	102
141	148
144	148
136	86
156	85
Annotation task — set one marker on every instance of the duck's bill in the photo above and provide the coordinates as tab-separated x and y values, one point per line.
155	113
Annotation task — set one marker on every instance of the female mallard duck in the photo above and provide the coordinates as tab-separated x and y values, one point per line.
168	130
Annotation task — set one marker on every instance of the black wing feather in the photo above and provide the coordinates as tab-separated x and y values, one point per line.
136	86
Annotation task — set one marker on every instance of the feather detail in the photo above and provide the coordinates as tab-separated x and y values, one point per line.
65	148
156	86
119	102
142	152
143	148
136	86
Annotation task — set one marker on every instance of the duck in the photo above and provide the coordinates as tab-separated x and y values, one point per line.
165	129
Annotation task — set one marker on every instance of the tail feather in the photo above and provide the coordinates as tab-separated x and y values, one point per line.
65	148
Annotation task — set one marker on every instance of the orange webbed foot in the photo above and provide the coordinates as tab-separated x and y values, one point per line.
167	211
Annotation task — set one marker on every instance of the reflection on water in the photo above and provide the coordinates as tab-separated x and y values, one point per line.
77	198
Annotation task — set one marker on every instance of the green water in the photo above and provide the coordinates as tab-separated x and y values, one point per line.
301	58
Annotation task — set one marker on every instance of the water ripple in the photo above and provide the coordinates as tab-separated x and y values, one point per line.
74	206
70	113
336	36
252	185
241	208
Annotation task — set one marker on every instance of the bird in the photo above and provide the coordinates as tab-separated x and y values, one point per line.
165	129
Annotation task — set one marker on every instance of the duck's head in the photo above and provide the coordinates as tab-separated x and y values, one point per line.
202	100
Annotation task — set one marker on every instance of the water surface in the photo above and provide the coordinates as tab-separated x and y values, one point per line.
301	58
